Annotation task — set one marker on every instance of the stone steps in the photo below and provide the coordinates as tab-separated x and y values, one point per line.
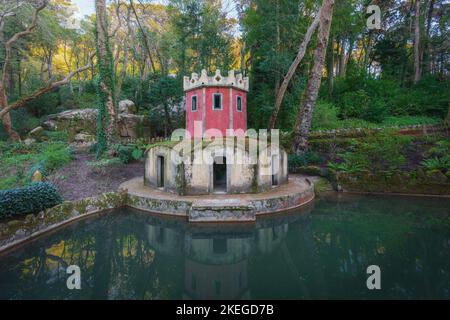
213	210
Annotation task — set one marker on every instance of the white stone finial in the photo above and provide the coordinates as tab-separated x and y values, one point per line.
204	77
232	80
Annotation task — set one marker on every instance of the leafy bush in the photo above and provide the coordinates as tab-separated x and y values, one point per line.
441	164
32	199
345	167
325	116
54	156
137	154
409	121
307	158
124	153
379	151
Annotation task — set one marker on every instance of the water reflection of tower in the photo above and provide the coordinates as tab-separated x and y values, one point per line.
216	267
216	261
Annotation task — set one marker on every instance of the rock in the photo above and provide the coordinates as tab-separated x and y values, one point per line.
83	138
437	176
129	125
29	141
49	125
75	114
37	176
127	107
36	131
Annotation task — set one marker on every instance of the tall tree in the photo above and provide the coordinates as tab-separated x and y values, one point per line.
290	73
9	9
107	115
417	64
304	118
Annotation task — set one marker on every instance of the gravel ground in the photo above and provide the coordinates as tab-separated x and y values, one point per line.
78	180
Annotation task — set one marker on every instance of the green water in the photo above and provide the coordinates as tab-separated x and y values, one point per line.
321	251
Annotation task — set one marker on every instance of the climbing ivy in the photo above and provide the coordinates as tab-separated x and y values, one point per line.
107	77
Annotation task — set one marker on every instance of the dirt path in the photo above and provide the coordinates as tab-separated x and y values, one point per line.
79	180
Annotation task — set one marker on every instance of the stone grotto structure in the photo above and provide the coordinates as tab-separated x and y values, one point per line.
228	160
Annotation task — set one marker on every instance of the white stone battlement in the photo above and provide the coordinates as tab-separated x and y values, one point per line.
232	80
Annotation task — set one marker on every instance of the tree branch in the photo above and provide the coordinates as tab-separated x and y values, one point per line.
21	102
15	37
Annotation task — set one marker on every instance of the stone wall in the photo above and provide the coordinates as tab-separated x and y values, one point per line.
416	182
195	176
16	231
84	121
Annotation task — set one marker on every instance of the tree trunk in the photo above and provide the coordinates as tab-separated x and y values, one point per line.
417	71
6	119
342	58
428	42
107	121
330	68
304	118
293	68
50	64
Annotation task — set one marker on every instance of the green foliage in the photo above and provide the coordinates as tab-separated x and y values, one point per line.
307	158
19	161
347	167
375	99
325	116
125	153
130	152
441	164
441	148
377	152
54	155
31	199
137	154
409	121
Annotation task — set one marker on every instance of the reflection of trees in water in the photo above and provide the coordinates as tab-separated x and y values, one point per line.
320	255
112	253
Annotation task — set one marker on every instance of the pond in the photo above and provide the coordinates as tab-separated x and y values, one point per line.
318	252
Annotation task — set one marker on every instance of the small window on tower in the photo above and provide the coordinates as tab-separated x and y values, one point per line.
194	103
239	103
217	101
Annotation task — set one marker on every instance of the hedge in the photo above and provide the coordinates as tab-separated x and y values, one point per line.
31	199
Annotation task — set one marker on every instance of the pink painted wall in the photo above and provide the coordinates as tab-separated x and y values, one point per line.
218	119
239	118
196	115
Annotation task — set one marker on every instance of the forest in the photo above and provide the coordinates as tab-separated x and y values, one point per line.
315	67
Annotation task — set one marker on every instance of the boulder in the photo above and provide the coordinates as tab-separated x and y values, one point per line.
29	141
36	131
130	125
127	107
49	125
75	114
83	138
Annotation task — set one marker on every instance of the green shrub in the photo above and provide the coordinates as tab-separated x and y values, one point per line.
409	121
54	156
441	164
125	153
307	158
137	154
32	199
324	116
376	152
354	103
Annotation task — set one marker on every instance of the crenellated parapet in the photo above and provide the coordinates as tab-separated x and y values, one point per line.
217	80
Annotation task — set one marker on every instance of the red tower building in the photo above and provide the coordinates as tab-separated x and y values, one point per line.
216	104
